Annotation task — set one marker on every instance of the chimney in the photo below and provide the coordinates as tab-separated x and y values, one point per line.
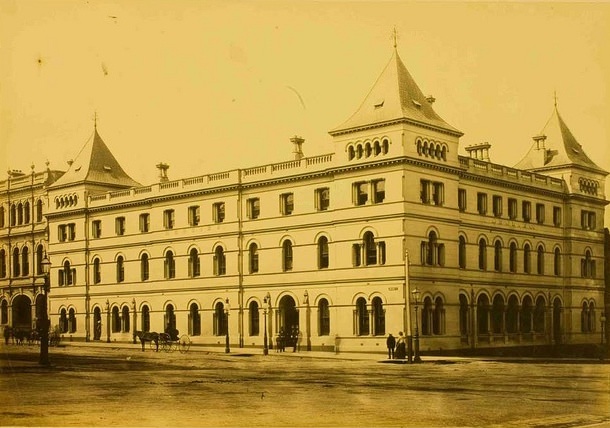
430	99
479	151
297	149
163	167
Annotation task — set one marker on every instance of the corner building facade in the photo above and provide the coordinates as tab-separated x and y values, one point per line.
333	245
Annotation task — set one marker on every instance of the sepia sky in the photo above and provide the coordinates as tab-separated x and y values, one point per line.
207	86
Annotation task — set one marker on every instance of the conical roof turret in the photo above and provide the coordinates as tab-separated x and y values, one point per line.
395	97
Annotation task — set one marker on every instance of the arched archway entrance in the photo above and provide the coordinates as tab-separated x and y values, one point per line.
97	322
287	315
22	312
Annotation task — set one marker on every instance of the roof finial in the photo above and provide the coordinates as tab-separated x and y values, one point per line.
555	96
95	120
395	36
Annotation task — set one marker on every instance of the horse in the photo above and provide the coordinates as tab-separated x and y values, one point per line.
148	336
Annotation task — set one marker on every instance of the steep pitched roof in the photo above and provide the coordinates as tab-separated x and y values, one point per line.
560	148
395	96
95	164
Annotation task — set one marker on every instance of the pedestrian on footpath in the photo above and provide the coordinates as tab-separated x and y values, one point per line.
401	347
391	344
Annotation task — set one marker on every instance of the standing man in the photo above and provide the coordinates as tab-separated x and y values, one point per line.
391	344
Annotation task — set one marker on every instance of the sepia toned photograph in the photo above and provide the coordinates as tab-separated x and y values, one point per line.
304	213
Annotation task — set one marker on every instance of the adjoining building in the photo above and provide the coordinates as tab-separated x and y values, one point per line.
330	245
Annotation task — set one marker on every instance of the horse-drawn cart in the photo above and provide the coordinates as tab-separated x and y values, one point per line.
165	341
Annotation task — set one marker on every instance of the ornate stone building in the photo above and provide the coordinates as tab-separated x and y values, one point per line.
332	245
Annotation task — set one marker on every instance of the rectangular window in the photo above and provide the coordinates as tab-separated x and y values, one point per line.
61	233
526	211
462	199
431	192
540	213
512	208
71	232
378	191
194	215
218	212
557	216
438	194
360	193
424	191
356	255
144	222
96	228
497	205
286	203
482	203
168	219
322	199
254	208
587	219
119	225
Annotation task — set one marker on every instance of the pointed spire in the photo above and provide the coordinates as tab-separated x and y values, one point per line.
395	38
95	121
555	96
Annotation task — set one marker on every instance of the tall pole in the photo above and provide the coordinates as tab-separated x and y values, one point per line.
44	334
227	346
417	358
266	301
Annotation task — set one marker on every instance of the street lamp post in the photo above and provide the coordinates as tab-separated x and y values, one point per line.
417	358
44	334
602	320
266	302
227	309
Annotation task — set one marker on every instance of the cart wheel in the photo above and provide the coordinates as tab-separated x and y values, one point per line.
184	344
152	345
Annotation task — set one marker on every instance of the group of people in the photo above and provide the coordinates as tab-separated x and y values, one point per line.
284	338
397	348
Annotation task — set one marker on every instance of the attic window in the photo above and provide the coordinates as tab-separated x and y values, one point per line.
107	168
379	104
418	105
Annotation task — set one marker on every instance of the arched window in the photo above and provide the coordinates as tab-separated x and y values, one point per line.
591	317
433	253
72	320
462	252
557	262
526	319
4	312
194	265
169	265
194	320
254	319
378	317
39	257
512	315
527	259
253	257
540	260
67	275
464	316
63	321
497	315
287	255
220	322
539	323
144	267
323	252
26	213
584	318
2	264
482	254
38	211
1	216
220	264
115	320
483	314
512	259
426	316
587	265
19	213
97	271
498	256
385	146
350	152
25	261
362	317
125	319
438	319
367	150
359	151
377	147
13	215
323	318
370	249
170	318
120	269
145	318
16	268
